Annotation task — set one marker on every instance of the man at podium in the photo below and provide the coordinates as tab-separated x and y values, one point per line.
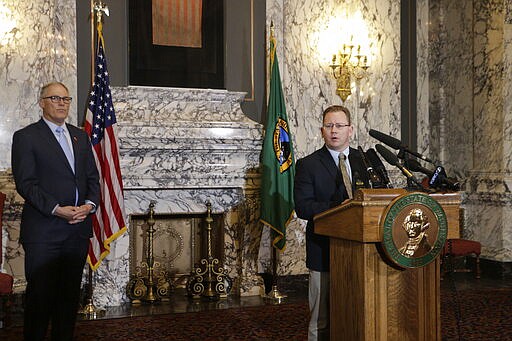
324	179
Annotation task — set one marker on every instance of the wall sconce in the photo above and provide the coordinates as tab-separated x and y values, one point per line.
345	66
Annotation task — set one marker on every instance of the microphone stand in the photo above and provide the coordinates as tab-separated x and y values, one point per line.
89	310
412	184
402	155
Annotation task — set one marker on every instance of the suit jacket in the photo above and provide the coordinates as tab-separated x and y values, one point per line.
44	179
318	187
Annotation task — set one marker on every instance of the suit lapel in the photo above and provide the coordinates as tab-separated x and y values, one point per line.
328	162
53	145
353	159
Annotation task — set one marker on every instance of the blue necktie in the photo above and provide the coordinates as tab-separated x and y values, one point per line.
65	147
63	141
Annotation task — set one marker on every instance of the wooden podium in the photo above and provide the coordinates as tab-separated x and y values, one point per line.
370	297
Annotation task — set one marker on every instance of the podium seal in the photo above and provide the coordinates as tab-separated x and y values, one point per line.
414	228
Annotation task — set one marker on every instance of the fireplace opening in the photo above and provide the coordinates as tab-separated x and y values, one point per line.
179	243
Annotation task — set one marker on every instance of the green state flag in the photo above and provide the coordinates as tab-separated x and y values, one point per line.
278	161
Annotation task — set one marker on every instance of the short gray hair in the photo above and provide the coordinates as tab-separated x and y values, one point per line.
46	86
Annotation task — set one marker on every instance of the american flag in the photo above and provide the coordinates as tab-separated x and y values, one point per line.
108	222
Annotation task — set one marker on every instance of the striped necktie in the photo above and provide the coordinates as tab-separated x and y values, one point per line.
344	174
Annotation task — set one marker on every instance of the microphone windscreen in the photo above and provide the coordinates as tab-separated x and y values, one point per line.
386	139
363	157
377	165
374	158
414	165
390	158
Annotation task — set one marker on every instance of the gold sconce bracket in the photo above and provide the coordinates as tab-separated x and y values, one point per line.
347	66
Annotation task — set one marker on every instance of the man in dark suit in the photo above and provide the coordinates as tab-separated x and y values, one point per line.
55	172
319	185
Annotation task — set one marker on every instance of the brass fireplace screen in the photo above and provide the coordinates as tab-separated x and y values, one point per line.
179	242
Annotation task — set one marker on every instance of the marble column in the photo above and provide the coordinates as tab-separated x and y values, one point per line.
467	122
489	211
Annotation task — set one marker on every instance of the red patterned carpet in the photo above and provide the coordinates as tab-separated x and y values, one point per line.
484	314
268	322
262	323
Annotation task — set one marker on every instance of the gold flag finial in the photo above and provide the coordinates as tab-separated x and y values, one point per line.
100	8
272	44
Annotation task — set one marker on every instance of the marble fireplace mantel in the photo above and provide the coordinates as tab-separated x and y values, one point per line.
180	138
182	148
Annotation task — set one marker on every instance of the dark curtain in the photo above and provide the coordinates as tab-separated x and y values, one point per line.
155	65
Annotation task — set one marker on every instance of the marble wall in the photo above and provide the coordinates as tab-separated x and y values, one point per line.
489	196
466	124
307	78
40	49
180	148
445	128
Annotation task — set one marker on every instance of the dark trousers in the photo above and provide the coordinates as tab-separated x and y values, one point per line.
54	274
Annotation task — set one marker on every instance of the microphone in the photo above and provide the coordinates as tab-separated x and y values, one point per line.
375	179
437	178
392	159
378	166
396	144
438	175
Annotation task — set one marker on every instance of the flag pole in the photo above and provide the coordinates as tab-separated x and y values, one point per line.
275	296
89	310
97	11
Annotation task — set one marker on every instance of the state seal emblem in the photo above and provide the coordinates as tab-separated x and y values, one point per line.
414	228
281	143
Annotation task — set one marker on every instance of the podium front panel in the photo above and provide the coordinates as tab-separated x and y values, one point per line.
372	300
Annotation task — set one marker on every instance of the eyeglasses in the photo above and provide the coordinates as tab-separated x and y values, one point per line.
337	125
57	99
